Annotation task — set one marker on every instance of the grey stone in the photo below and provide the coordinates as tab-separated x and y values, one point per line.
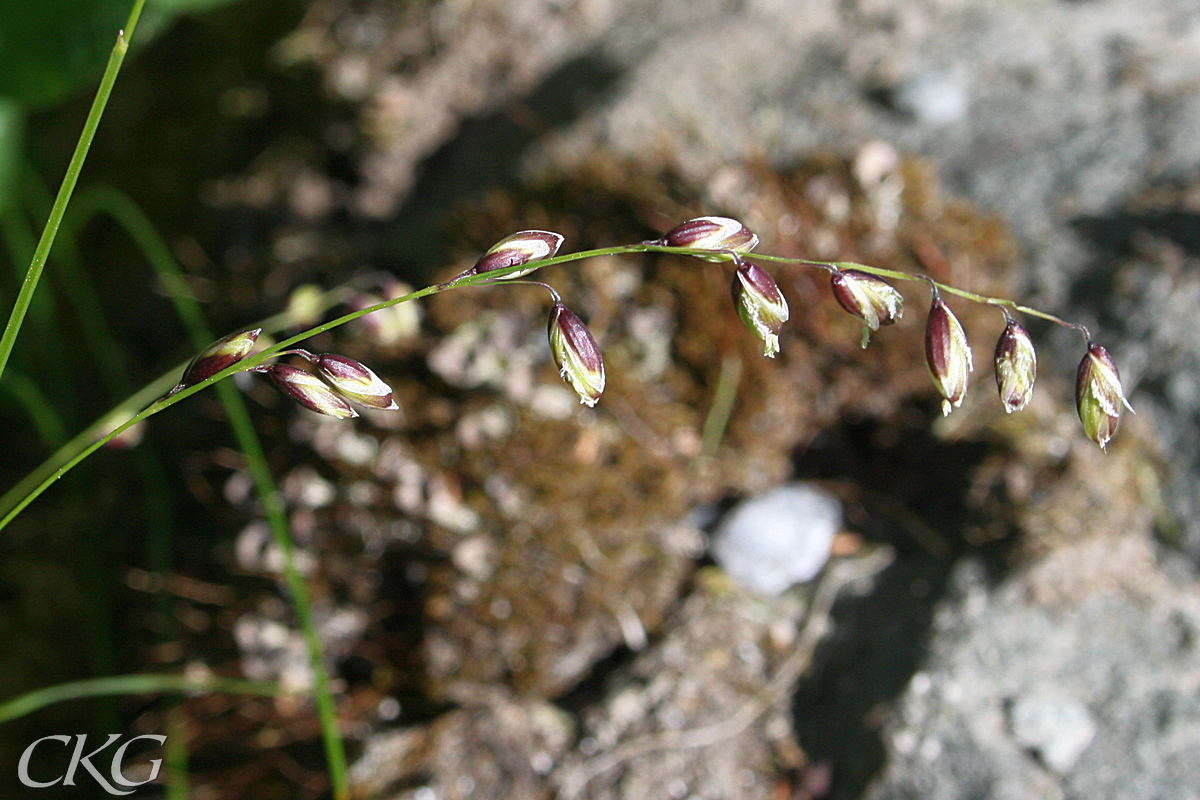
1006	675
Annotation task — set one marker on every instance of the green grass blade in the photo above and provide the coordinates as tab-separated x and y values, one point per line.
37	407
29	285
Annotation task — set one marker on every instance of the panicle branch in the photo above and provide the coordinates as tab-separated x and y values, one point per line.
867	293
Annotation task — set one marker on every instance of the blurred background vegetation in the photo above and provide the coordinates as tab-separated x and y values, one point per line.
200	96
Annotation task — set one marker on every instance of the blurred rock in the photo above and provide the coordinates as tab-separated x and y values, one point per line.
779	538
1101	689
419	70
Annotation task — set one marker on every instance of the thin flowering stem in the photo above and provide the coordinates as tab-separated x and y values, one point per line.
135	402
294	351
1000	302
1083	331
489	278
553	294
653	246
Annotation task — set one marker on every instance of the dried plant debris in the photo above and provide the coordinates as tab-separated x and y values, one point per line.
493	745
705	712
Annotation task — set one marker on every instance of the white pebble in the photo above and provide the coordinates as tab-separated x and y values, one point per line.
778	538
1057	728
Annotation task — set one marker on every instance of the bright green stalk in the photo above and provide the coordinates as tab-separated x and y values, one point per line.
176	756
139	400
25	296
131	684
